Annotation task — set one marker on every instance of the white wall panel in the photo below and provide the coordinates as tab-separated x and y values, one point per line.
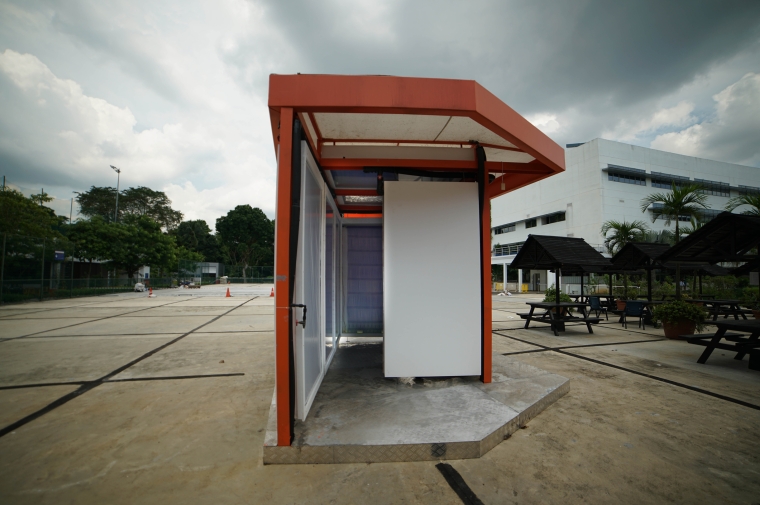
432	293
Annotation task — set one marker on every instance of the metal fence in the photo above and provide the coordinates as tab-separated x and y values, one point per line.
213	273
33	268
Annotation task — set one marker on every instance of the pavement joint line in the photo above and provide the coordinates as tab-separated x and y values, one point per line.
148	334
122	296
84	322
43	385
608	325
60	308
458	485
583	345
644	374
177	377
131	379
90	385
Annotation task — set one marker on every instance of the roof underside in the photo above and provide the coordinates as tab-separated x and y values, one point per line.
572	255
728	237
408	126
636	255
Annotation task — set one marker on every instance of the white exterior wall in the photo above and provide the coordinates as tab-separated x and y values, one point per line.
589	199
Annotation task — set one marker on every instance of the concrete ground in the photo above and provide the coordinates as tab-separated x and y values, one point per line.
129	399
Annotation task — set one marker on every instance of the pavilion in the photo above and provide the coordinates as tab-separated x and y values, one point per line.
383	186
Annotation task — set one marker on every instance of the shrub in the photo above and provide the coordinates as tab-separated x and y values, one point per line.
724	287
751	298
679	311
550	295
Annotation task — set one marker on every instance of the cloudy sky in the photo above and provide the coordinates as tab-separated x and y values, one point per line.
174	92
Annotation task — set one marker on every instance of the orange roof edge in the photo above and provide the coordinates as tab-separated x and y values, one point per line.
411	95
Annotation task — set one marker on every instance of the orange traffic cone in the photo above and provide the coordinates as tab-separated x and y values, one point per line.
271	295
150	293
228	295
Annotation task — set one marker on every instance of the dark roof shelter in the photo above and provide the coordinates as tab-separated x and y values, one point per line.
636	256
728	237
573	255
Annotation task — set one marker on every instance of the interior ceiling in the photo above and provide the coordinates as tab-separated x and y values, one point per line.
405	128
362	135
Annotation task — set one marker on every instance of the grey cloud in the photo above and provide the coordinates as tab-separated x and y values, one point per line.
91	25
534	55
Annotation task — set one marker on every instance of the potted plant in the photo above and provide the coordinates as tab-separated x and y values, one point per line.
550	295
679	318
751	300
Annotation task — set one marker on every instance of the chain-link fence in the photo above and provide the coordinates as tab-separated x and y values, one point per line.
203	272
33	268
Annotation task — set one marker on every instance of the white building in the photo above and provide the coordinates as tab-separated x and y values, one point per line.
605	180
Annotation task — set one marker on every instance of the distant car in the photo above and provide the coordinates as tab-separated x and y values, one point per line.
140	287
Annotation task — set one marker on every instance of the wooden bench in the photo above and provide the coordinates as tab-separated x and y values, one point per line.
700	336
742	346
754	359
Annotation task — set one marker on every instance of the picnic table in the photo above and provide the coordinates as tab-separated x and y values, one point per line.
742	344
606	300
722	307
558	321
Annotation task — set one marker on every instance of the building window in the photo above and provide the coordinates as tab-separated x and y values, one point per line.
627	175
504	229
554	218
748	190
530	223
666	181
507	249
708	214
714	187
659	206
639	180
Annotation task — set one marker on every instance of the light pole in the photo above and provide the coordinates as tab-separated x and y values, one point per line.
118	174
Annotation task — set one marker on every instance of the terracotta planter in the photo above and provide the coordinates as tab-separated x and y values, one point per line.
673	330
620	304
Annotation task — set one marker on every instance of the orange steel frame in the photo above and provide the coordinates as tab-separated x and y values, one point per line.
298	96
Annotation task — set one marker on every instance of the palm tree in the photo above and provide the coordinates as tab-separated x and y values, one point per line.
751	200
658	237
623	232
688	200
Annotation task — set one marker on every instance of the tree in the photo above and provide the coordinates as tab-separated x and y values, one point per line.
688	200
93	239
140	201
685	201
196	236
753	201
248	236
98	202
20	215
623	233
139	241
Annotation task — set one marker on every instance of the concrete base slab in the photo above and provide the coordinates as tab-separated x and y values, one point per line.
359	416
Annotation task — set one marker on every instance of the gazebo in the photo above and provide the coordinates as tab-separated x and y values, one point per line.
383	183
727	238
568	254
635	256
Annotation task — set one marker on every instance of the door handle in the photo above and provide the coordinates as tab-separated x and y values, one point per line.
300	305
